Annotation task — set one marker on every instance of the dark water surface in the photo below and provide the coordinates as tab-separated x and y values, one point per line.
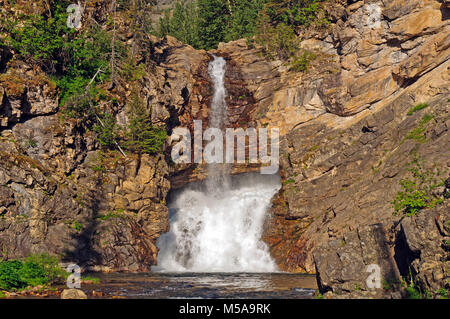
206	285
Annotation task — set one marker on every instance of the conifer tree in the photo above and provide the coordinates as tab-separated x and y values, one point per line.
142	136
213	22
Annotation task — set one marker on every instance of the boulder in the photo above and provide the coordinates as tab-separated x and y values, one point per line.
73	294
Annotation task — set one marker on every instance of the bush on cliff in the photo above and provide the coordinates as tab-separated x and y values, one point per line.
296	12
39	38
419	191
277	42
85	55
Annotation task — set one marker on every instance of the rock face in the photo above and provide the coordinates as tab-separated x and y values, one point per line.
347	137
343	265
60	194
425	238
371	52
24	94
417	248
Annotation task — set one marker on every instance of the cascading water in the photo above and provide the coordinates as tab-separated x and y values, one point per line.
216	226
218	174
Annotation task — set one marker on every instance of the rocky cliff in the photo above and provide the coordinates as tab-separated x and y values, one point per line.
347	141
61	194
347	136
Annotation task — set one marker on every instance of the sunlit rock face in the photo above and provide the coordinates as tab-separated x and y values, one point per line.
345	127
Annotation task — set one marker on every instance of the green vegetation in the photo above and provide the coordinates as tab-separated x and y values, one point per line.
416	108
288	181
301	63
116	214
33	271
107	134
30	143
141	136
205	23
418	133
77	226
183	23
413	291
80	63
390	283
443	293
277	42
272	24
71	58
90	280
319	296
40	38
417	192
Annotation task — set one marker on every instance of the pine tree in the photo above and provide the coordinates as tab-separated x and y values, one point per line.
243	20
142	136
213	22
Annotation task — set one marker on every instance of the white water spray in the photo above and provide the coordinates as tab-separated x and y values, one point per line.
216	226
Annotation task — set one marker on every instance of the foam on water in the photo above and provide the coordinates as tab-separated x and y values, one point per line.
220	230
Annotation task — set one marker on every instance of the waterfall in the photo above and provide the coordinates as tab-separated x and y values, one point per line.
216	225
218	174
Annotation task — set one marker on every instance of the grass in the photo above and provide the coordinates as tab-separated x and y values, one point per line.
30	143
443	293
90	280
289	181
77	226
119	213
301	63
418	134
416	108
